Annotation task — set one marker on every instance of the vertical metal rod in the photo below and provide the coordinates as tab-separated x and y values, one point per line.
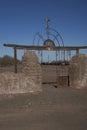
15	60
69	55
66	55
41	57
56	56
59	55
48	59
77	51
56	62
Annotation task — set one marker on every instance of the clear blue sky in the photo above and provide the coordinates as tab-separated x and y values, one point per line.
21	19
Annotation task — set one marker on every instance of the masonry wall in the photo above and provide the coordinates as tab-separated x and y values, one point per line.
78	71
31	67
28	80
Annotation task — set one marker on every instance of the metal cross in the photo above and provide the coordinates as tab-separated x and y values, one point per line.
47	21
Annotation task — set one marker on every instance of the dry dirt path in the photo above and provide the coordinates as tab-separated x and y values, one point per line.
53	109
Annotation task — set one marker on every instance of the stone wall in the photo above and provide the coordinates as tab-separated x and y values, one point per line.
28	80
78	71
31	67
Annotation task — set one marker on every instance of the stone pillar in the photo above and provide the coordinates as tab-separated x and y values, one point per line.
31	67
78	71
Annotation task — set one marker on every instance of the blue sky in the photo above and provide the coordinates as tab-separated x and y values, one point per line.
21	19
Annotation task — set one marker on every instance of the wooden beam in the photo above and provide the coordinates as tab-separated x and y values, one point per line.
45	47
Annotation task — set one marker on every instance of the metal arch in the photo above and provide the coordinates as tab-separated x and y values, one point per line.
57	34
49	42
55	38
40	37
34	38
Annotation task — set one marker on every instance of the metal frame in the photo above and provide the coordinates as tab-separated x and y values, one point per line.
55	48
55	44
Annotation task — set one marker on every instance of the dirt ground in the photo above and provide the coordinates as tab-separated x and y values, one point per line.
51	109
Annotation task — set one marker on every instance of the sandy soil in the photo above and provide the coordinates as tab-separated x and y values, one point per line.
52	109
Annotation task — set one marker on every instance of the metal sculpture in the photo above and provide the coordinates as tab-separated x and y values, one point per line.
51	35
52	39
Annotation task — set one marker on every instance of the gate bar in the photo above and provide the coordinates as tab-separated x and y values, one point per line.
15	59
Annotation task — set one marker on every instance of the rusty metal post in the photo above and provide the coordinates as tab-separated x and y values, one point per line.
15	60
77	51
